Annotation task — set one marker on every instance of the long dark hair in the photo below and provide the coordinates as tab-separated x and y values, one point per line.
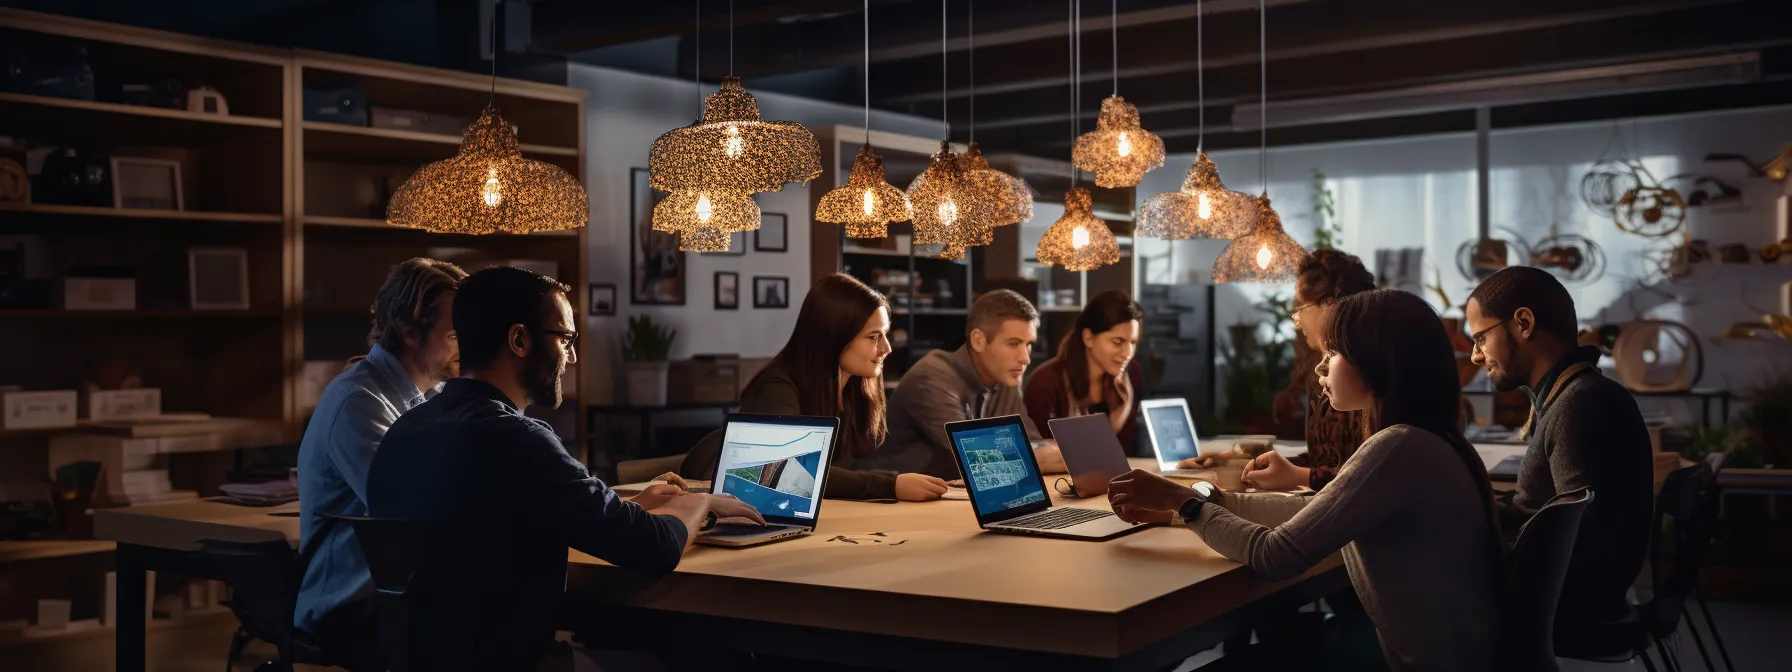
1102	313
833	313
1403	352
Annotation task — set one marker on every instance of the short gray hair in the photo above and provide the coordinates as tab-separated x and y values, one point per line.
993	308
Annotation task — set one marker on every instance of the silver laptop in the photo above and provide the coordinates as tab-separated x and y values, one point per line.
1172	432
1007	491
778	464
1092	452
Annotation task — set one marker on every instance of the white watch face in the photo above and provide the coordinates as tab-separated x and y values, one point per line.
1204	488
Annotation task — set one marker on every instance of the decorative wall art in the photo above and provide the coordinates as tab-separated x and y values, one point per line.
656	265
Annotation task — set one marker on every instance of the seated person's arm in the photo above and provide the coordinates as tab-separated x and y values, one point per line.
1357	502
360	423
560	495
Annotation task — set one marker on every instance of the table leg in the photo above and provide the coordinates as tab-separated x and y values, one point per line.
131	630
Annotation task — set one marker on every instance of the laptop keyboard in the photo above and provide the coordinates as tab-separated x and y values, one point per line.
1057	519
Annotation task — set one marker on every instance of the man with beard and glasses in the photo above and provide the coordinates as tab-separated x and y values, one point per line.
499	498
413	351
1584	432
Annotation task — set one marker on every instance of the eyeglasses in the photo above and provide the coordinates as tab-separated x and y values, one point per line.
1294	311
569	341
1479	338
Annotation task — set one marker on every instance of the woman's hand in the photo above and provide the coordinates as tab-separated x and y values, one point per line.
919	487
1140	496
1208	460
1271	471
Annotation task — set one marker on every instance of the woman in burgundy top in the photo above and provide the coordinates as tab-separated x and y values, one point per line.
1093	372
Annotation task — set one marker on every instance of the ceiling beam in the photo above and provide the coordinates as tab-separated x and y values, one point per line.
573	26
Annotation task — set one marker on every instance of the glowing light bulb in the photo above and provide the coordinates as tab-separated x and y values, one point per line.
735	144
704	209
1205	209
1263	257
1125	145
1079	238
870	205
948	212
493	191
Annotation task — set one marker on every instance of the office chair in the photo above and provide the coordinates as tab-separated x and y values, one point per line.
1539	563
264	582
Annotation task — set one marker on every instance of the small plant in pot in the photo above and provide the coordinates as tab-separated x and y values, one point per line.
1768	417
645	348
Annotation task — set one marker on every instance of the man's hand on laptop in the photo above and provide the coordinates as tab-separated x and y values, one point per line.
919	487
726	507
656	495
1139	496
1051	461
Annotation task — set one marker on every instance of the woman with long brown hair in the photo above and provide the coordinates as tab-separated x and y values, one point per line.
832	366
1094	371
1412	509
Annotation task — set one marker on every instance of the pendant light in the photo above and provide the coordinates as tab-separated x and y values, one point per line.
1078	241
1118	151
488	187
946	211
703	218
867	203
1009	198
1204	207
730	148
1266	254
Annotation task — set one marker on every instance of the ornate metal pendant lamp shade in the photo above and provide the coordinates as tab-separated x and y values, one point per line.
1008	199
1078	241
1266	254
488	187
943	213
867	203
1118	151
1204	207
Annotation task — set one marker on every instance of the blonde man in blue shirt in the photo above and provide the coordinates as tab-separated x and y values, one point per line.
413	349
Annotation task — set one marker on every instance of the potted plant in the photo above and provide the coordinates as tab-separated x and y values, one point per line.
1256	370
1768	417
646	346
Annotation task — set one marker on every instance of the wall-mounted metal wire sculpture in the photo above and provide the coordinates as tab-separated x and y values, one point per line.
1478	258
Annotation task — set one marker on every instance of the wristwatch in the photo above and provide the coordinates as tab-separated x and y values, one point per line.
709	521
1191	509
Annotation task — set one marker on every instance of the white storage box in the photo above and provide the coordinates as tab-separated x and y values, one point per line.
135	404
99	293
41	409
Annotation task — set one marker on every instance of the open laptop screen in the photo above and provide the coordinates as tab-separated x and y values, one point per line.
1172	434
777	465
998	465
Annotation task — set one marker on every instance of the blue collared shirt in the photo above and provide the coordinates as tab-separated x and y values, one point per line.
351	418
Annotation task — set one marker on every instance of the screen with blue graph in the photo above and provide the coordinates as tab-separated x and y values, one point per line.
775	468
1171	432
998	467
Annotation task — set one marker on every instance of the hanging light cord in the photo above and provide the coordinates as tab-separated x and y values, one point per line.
1070	39
971	27
867	72
1114	30
730	38
945	117
698	58
1263	105
1200	86
493	100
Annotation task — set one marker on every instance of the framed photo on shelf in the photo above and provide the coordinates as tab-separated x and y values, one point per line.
773	234
603	299
737	246
771	291
146	184
727	290
218	278
656	266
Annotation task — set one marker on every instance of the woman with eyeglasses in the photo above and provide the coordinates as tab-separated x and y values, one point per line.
1326	276
833	365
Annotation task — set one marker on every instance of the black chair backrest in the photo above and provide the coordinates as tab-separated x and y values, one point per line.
391	546
264	583
1539	564
1685	514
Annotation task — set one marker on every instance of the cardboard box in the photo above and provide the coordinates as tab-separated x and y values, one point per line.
133	404
704	379
99	293
41	409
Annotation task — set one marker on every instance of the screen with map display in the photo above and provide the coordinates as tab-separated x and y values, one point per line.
777	468
998	467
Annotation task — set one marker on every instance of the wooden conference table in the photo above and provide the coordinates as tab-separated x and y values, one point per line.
931	592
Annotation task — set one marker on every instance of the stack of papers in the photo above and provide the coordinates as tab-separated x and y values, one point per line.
270	492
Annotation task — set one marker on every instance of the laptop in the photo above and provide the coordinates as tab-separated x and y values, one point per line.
778	464
1007	491
1172	432
1091	452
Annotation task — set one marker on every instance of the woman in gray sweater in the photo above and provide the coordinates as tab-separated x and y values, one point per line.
833	365
1412	509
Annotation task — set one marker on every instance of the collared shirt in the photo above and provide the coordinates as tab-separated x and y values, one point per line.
351	417
504	501
943	387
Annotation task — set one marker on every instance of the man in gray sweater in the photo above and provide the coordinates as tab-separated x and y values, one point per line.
981	379
1585	432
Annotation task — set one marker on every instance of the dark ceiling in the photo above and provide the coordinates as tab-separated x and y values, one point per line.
1317	48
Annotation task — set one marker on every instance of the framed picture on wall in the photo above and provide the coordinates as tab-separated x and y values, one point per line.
218	278
737	246
146	184
773	234
603	299
656	266
771	291
727	290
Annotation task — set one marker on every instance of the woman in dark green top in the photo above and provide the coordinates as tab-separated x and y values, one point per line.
833	365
